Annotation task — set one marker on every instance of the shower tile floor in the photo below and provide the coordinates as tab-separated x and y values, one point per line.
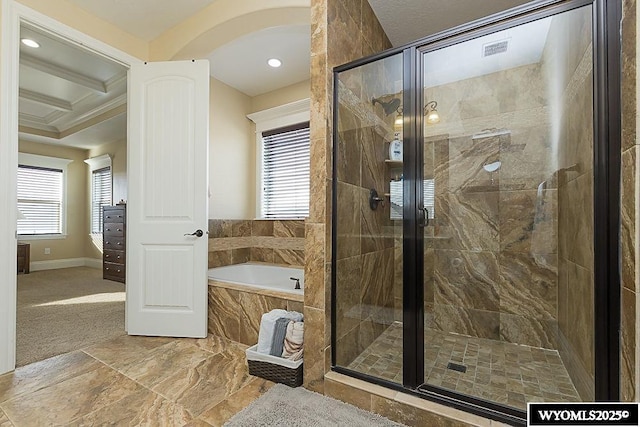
500	372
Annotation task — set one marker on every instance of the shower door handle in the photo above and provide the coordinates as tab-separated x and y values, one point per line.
423	214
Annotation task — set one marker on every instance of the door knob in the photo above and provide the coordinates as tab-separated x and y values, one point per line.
197	233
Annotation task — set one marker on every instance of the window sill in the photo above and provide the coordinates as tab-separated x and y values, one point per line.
41	236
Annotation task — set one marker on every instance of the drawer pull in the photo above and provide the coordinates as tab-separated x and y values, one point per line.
119	243
118	271
108	216
107	255
118	229
106	242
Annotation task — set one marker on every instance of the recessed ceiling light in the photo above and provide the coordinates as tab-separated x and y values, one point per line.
30	43
274	62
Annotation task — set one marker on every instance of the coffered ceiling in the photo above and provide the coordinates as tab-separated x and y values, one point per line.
64	90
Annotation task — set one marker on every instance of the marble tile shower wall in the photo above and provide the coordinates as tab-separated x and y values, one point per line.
341	31
270	241
630	210
491	261
365	248
575	198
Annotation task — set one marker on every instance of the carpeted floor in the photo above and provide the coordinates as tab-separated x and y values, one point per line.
284	406
64	310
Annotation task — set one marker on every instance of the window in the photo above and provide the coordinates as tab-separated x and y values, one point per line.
101	193
100	196
285	172
41	195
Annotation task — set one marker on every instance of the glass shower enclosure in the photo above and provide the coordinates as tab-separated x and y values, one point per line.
464	212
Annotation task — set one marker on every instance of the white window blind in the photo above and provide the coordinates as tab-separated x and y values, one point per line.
100	196
428	194
285	172
40	200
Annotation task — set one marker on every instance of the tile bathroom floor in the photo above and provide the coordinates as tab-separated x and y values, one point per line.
501	372
133	381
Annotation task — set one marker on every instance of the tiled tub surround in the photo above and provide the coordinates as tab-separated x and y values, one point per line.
235	311
271	241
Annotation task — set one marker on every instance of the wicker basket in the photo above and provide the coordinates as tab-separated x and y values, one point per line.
273	368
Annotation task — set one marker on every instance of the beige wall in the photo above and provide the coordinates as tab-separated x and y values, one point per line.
232	147
231	154
73	246
118	152
286	95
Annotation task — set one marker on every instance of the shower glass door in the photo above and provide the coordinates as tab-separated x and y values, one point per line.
368	234
507	176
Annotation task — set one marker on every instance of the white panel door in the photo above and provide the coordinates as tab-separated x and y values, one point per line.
168	176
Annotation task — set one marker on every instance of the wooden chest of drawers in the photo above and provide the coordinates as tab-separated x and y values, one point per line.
114	227
24	257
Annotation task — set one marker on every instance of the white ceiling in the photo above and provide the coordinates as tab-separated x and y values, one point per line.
525	45
240	63
145	19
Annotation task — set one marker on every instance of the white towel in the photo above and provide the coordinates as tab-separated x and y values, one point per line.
268	324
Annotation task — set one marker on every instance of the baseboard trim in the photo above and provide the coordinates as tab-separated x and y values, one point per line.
65	263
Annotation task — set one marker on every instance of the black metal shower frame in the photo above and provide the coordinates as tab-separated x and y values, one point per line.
607	15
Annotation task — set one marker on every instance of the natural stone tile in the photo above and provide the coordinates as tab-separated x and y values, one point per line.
223	411
4	421
580	332
288	228
348	220
467	221
262	228
220	258
219	228
349	150
216	377
288	257
477	323
251	308
295	306
162	362
342	47
240	256
65	401
466	279
262	255
348	294
241	228
528	284
314	349
528	331
36	376
528	221
123	350
314	274
355	397
409	415
223	313
141	408
628	350
628	75
628	212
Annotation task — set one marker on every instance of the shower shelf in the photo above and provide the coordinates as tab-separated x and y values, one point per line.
393	163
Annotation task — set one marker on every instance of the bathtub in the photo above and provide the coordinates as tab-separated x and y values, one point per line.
262	276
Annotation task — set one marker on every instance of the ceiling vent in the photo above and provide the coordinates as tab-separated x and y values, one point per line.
495	48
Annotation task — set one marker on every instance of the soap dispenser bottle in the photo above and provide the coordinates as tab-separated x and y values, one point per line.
395	148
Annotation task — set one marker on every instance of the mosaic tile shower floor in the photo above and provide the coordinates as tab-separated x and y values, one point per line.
501	372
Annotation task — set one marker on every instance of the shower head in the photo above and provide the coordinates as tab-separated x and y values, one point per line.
389	106
492	167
